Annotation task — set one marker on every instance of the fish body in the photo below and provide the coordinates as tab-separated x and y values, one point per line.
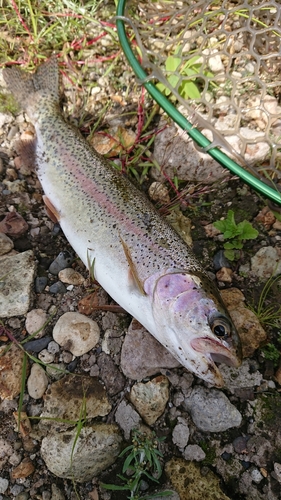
136	256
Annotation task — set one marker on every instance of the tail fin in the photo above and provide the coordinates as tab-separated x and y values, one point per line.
24	85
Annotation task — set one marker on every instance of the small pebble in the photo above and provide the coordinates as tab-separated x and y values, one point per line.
53	347
40	284
46	356
63	260
57	287
4	483
220	261
225	275
70	276
37	345
35	321
37	381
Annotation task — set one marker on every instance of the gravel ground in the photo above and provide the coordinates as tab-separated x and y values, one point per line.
218	443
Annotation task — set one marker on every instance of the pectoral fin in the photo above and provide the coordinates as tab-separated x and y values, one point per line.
132	267
51	210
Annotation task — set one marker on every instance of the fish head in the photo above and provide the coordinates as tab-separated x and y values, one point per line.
192	322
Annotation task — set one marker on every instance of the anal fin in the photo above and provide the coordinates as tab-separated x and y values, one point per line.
132	267
51	210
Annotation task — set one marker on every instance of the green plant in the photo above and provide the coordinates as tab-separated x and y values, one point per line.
177	72
141	462
271	353
268	314
236	233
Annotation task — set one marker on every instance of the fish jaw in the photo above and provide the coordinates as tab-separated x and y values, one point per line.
188	312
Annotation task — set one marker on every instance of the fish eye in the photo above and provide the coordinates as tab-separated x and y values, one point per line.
220	327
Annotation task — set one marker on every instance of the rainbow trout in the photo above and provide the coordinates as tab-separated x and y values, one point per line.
137	257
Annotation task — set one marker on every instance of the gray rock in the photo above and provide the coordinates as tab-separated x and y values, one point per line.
4	483
194	452
211	410
113	379
16	281
37	345
57	287
142	355
96	448
180	434
40	283
127	418
63	260
277	471
6	244
238	378
76	333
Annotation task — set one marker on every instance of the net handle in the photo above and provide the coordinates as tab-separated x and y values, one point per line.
177	117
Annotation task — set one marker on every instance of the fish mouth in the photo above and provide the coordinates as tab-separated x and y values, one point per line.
217	352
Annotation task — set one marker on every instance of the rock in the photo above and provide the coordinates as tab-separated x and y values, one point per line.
57	287
177	154
220	261
4	483
194	452
266	262
6	244
57	493
40	284
76	333
17	276
63	260
211	230
127	418
225	275
247	324
190	484
35	321
278	375
180	434
211	410
70	276
11	367
46	356
65	398
13	223
112	378
159	192
266	217
37	381
6	451
277	471
24	469
142	355
37	345
93	450
150	399
242	377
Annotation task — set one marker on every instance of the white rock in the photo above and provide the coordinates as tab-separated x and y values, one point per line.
46	356
18	272
35	321
277	470
76	333
266	262
37	381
